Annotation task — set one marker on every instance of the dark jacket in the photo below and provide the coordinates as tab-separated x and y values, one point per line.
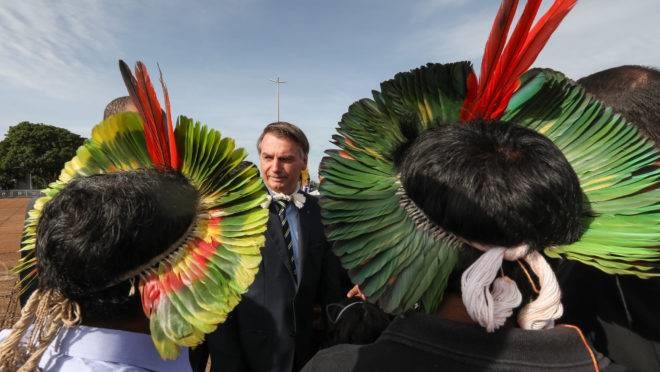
271	328
620	315
419	342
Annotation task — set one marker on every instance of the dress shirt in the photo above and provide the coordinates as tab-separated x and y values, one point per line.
292	218
81	349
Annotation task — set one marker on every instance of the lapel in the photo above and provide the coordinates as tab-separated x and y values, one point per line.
304	221
277	239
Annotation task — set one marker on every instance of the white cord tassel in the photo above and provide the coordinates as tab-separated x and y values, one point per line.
542	312
491	308
506	297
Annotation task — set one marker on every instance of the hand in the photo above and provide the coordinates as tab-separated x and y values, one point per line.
356	292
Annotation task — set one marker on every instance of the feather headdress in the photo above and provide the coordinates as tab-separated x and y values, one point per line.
189	288
399	258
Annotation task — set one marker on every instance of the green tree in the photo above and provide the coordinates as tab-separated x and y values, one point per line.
37	149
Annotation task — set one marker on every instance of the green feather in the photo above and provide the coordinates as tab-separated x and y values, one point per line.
383	248
613	162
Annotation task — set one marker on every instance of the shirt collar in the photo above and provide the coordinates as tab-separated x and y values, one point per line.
296	199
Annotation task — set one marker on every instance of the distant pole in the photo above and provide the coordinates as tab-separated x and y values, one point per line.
277	82
30	178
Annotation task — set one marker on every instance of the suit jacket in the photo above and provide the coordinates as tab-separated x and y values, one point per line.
271	328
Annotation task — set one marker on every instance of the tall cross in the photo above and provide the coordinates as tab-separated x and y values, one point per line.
277	82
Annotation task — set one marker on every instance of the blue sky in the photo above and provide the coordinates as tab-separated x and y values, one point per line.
58	60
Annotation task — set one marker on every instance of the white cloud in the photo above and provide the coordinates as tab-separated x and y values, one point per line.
50	48
58	60
58	63
450	38
596	34
599	34
426	9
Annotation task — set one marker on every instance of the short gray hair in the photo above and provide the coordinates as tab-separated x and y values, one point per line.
282	129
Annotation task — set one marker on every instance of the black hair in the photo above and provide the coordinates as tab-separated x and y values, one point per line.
632	91
495	183
105	226
354	321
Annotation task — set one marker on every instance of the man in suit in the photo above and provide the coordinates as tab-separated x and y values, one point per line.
271	329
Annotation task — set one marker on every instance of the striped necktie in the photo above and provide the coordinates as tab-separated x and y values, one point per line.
286	232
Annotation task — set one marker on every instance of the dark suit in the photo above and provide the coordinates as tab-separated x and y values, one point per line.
271	329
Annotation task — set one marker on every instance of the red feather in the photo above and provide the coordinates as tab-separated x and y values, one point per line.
504	62
158	130
497	38
502	87
174	154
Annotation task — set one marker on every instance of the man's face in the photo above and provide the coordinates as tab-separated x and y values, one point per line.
281	160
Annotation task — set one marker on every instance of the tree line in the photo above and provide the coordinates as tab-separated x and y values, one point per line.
36	152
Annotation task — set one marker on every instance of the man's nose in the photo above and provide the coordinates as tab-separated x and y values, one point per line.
277	165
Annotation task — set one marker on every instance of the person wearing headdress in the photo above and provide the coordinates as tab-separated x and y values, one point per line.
448	192
143	245
117	105
632	91
619	313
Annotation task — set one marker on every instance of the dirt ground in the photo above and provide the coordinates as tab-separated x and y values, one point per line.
12	214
